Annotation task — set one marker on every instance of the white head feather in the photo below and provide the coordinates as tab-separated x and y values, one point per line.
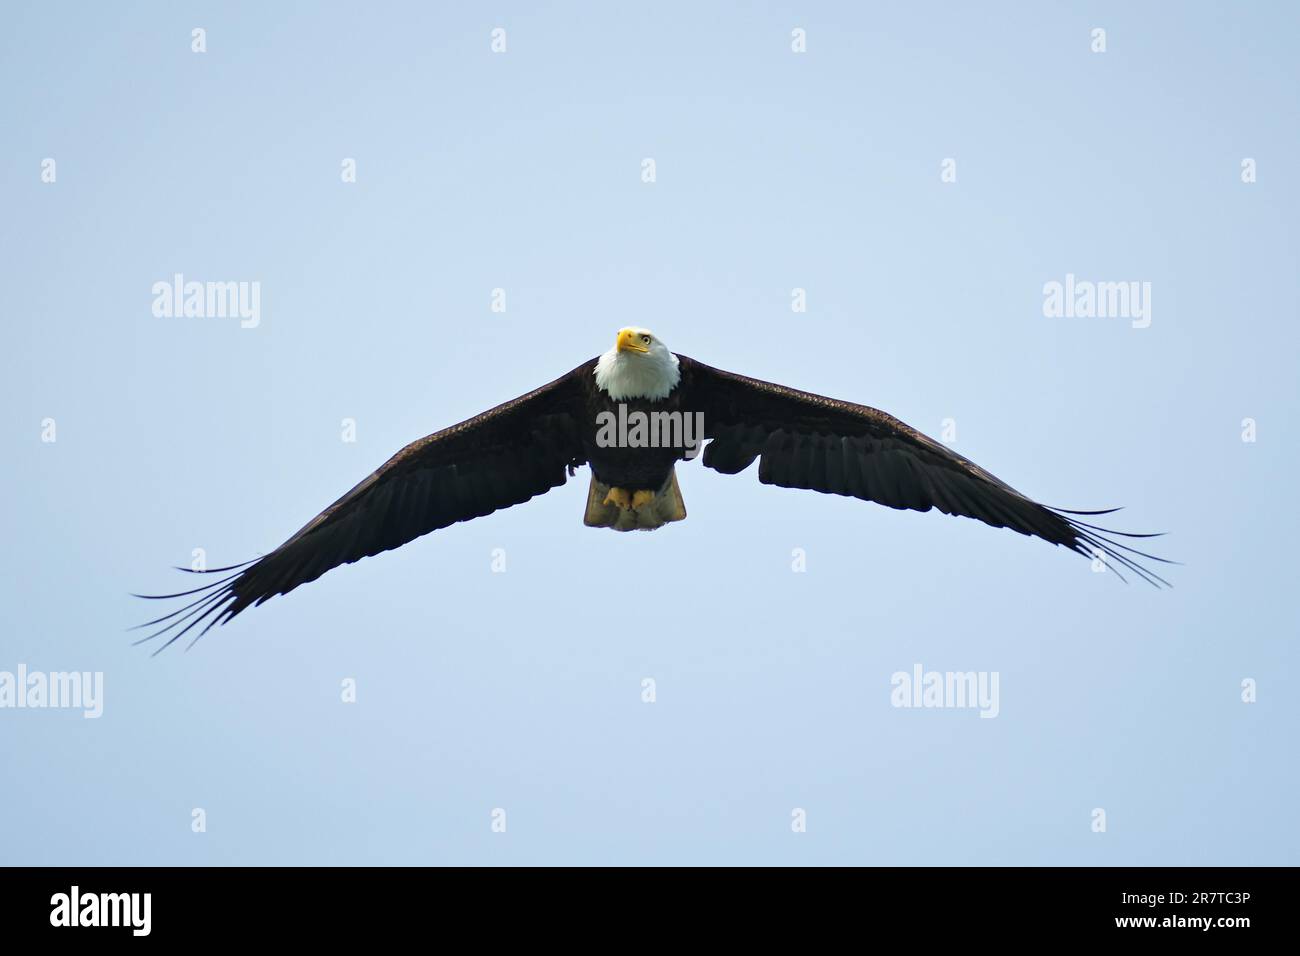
638	366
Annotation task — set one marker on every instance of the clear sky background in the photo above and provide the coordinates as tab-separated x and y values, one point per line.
775	170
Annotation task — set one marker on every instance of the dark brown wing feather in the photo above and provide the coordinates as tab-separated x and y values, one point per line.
802	440
500	458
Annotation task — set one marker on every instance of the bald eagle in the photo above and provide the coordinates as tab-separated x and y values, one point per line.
632	414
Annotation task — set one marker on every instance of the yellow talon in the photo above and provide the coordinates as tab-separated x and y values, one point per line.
620	497
642	498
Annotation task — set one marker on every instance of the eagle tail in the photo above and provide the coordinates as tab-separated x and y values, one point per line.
667	506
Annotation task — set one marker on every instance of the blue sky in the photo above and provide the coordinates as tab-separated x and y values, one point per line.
775	171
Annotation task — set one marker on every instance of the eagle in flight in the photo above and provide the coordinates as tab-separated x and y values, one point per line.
632	414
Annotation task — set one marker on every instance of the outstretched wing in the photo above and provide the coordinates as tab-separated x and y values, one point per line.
500	458
808	441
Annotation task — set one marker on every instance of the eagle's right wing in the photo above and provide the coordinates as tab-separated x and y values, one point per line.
500	458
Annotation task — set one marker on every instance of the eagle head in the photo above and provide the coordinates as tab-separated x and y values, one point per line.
638	366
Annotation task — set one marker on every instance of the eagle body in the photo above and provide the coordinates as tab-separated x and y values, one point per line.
631	467
647	464
527	446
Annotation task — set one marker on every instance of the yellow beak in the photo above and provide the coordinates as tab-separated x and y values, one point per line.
629	341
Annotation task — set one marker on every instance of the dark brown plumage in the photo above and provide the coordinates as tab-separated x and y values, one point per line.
527	446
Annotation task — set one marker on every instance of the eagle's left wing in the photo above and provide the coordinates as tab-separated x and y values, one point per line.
802	440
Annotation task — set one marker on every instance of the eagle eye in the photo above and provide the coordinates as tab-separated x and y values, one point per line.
645	339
